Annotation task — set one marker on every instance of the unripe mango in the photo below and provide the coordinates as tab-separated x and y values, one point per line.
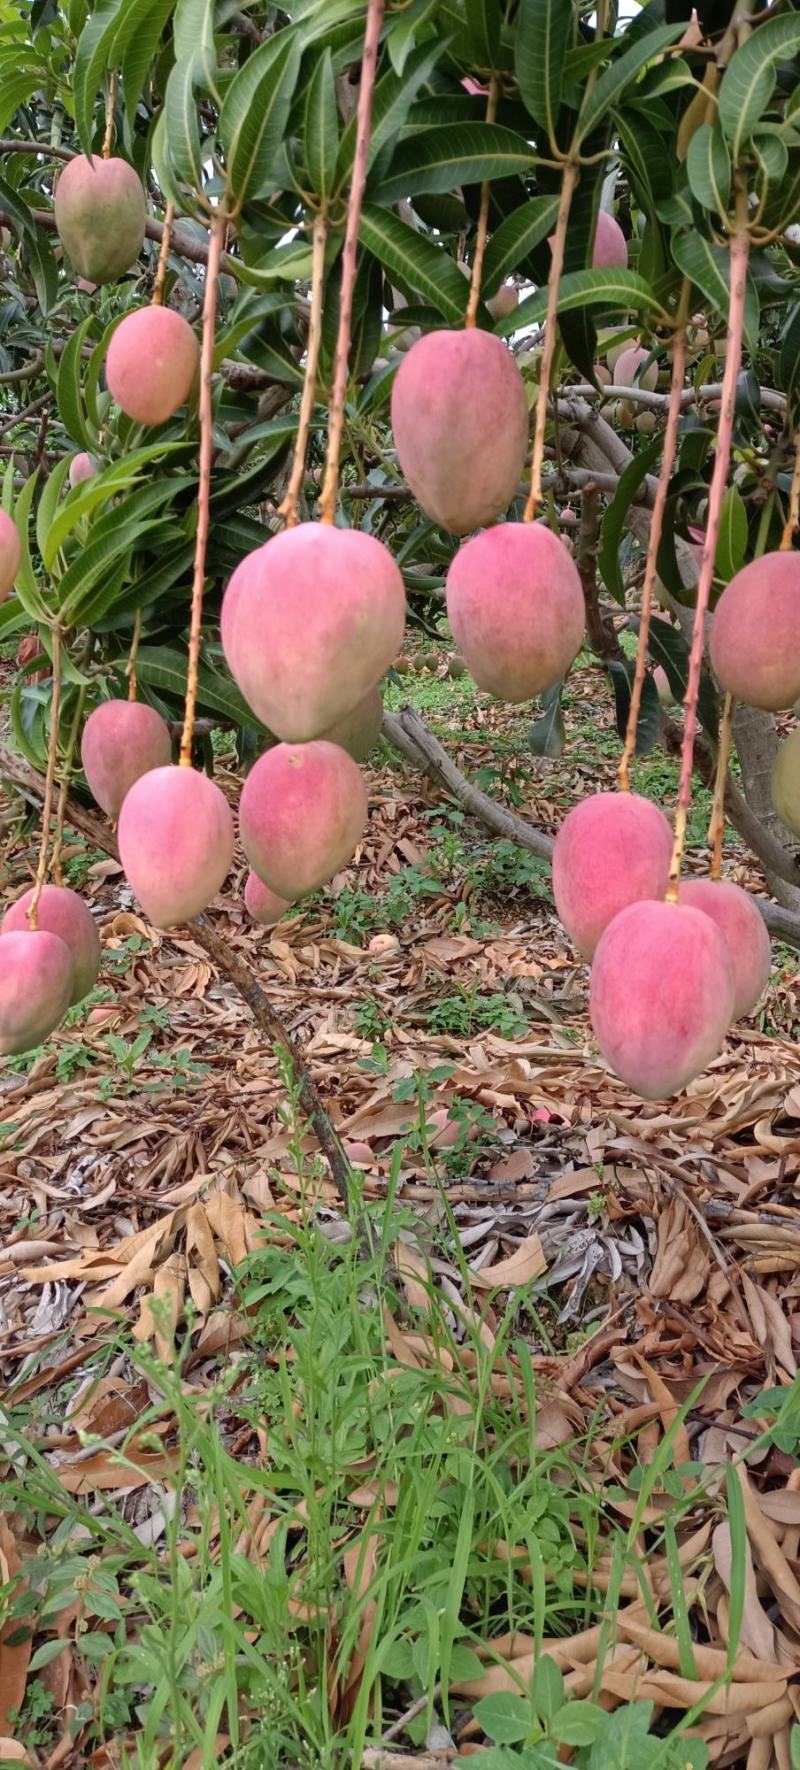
611	850
460	422
786	782
515	606
610	250
743	930
310	622
62	912
263	905
661	997
81	467
502	302
10	554
175	843
100	215
35	988
358	732
755	633
301	815
151	364
121	741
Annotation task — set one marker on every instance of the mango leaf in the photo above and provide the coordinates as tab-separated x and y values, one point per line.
708	165
516	236
483	26
708	266
402	35
419	264
12	205
622	289
749	79
622	72
732	542
772	155
91	60
392	102
616	516
546	735
322	127
48	502
648	724
181	135
255	111
193	32
136	45
542	36
68	387
44	270
164	667
788	376
27	588
92	492
668	647
458	153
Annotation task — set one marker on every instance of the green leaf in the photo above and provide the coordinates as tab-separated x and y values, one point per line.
419	264
137	43
788	376
91	60
68	388
404	28
516	236
92	492
193	33
578	1723
749	79
546	735
48	502
165	667
454	154
322	127
26	586
623	71
391	104
668	647
708	165
18	212
181	134
616	515
648	725
622	289
483	25
253	117
732	543
772	155
504	1717
542	36
708	266
547	1688
44	270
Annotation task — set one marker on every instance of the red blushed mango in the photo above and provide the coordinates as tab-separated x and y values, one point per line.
100	215
35	988
755	633
151	364
175	843
10	554
62	912
460	422
663	686
262	904
301	815
629	370
310	622
358	732
81	467
610	250
742	928
515	606
611	850
121	741
786	782
662	996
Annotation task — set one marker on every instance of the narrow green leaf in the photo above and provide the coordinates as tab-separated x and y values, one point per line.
622	73
255	111
91	60
44	270
546	734
137	43
772	155
623	289
164	667
483	25
68	387
749	79
455	154
423	267
12	205
26	586
542	38
708	266
322	127
616	515
181	140
49	500
516	236
402	36
708	165
788	376
648	725
193	31
732	543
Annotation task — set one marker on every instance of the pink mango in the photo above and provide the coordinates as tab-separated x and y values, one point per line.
62	912
662	996
175	843
121	741
301	816
515	606
611	850
460	422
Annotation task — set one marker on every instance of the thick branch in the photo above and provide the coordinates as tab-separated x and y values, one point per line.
18	773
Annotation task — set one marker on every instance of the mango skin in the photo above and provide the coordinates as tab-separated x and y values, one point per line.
610	250
302	814
35	988
515	606
611	850
358	732
743	930
122	740
151	364
10	554
81	467
263	905
661	997
62	912
755	633
460	422
100	215
786	782
310	622
628	366
175	843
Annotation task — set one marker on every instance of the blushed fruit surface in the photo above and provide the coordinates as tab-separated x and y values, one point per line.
503	302
100	216
301	815
611	850
151	364
755	633
610	250
460	422
35	987
262	904
628	371
786	782
121	741
175	843
81	467
62	912
663	686
743	930
515	606
10	554
310	622
661	997
358	732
